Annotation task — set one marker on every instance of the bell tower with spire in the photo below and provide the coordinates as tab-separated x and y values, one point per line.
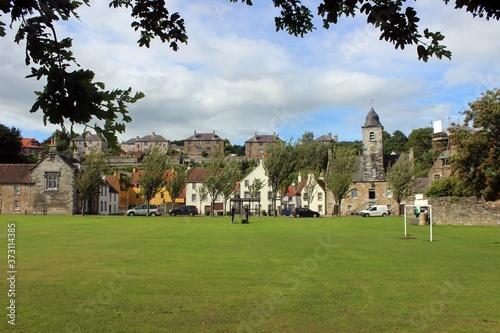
373	148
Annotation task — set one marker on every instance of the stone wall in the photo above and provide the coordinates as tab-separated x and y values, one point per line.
464	211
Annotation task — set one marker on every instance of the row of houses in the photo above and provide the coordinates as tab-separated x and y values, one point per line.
197	144
48	186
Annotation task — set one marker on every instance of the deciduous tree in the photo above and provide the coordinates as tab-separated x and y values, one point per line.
176	181
342	167
401	179
154	164
10	146
215	179
420	140
90	175
232	175
477	161
70	93
279	166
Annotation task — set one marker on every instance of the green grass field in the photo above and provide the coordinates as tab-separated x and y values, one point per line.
202	274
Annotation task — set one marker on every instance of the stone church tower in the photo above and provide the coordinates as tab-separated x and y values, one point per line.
373	148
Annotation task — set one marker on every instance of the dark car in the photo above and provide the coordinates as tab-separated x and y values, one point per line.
304	212
184	210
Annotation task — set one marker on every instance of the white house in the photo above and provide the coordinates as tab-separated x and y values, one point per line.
313	189
194	196
265	195
108	200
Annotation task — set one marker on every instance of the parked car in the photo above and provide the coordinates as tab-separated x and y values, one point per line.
375	210
304	212
184	210
142	210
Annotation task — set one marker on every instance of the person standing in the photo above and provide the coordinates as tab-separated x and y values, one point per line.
233	210
246	213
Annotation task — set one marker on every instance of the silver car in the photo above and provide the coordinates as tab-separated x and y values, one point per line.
142	210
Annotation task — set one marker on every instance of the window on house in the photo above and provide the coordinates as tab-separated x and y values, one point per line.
198	149
269	195
16	205
193	197
388	193
349	207
373	173
51	181
247	182
193	186
246	195
162	195
320	196
137	196
320	209
207	142
199	142
354	193
261	151
17	189
372	136
306	196
371	194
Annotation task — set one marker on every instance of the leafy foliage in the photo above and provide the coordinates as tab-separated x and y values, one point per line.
71	94
232	174
279	166
154	164
312	156
397	142
221	176
400	178
342	166
10	147
477	161
421	141
176	181
255	186
90	174
397	21
446	187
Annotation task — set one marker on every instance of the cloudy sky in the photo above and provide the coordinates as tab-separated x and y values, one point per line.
238	76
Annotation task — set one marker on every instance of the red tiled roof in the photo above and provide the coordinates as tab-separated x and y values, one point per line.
30	143
197	175
135	177
15	173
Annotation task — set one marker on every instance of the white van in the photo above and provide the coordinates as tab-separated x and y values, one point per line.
375	210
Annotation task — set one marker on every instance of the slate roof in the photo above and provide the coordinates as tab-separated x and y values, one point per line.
325	138
204	137
88	137
152	138
422	185
15	173
262	138
372	119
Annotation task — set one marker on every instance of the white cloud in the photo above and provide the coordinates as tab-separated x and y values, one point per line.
237	75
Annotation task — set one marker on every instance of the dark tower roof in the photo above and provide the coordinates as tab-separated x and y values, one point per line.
372	119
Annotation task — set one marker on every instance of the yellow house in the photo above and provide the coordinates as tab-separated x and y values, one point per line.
117	184
162	197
